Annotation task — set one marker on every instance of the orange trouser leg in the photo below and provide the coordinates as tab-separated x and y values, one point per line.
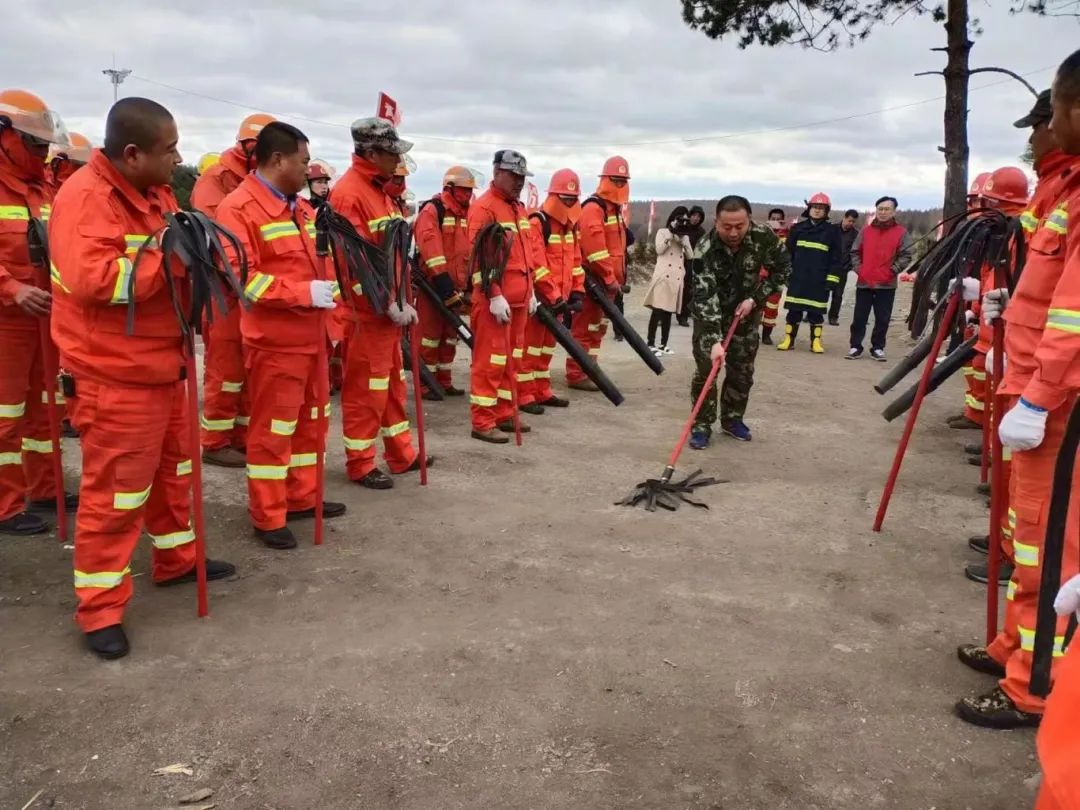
373	399
1059	738
490	376
504	408
1032	475
1007	642
541	366
25	444
225	416
589	328
447	353
431	334
771	310
529	388
975	396
136	469
283	435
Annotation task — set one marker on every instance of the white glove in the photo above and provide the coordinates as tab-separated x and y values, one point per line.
970	317
990	360
322	295
533	305
401	316
971	288
1068	598
993	304
1023	427
500	308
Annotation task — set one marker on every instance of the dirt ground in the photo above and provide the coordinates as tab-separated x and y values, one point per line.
508	638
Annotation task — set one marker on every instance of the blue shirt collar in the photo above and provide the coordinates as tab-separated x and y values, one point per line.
285	198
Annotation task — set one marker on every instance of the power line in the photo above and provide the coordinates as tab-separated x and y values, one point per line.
663	142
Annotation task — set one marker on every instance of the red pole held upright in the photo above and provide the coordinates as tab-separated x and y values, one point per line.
194	440
913	414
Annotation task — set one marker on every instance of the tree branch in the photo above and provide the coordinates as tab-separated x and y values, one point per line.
931	73
1007	72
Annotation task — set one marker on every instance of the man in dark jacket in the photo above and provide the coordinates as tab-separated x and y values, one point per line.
814	247
848	232
696	232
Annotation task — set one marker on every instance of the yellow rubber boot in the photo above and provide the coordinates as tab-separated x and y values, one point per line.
788	343
816	346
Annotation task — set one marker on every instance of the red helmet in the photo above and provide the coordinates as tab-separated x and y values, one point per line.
317	170
616	167
1007	184
820	199
978	183
565	183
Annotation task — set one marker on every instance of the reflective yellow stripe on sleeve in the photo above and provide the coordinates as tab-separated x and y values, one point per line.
257	286
123	280
1058	221
14	411
1064	320
436	261
599	255
18	213
277	230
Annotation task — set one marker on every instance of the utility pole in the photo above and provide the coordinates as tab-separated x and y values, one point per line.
116	76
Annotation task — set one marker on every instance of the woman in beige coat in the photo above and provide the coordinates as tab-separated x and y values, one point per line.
665	290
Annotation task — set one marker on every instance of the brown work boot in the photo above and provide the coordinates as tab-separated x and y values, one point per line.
976	657
225	457
508	427
583	385
995	710
492	436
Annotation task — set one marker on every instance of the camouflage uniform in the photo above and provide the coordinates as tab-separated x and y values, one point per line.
722	280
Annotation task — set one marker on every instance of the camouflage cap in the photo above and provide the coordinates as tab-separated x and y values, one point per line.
1041	113
378	133
512	161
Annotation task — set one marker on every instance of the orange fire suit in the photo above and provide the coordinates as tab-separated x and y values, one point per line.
225	404
603	245
25	443
498	349
1043	321
560	275
374	392
443	243
1059	739
130	405
281	333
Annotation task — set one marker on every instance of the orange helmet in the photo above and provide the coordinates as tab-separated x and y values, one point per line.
821	198
978	183
28	114
78	152
319	170
616	167
458	177
565	183
1007	184
251	126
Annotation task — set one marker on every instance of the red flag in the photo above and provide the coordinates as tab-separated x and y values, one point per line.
532	199
388	109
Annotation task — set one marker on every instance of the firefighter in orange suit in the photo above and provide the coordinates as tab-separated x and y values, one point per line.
1059	733
27	127
443	244
499	313
603	246
129	401
1042	345
289	290
374	392
775	221
64	161
225	404
558	282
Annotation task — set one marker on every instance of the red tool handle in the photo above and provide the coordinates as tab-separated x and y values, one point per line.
418	399
322	402
913	414
998	497
50	371
512	365
194	443
716	366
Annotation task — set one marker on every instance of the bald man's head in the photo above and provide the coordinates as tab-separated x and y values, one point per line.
141	141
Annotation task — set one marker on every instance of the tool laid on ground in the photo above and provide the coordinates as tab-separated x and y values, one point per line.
664	492
595	289
38	238
197	243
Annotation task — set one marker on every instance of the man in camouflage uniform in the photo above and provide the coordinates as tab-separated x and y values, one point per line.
737	266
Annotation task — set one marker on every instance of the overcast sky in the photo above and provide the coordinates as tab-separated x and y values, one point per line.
567	82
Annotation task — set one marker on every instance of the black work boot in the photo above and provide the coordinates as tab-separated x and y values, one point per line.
109	642
330	509
535	408
376	479
215	569
995	710
429	462
23	524
555	402
766	336
71	503
279	539
979	572
980	543
976	657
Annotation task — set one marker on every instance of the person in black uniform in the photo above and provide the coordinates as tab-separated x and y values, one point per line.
814	247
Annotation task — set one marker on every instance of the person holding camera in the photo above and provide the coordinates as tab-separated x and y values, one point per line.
665	292
695	233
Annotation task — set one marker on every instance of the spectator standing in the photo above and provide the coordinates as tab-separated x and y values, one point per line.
665	293
881	251
848	233
695	234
